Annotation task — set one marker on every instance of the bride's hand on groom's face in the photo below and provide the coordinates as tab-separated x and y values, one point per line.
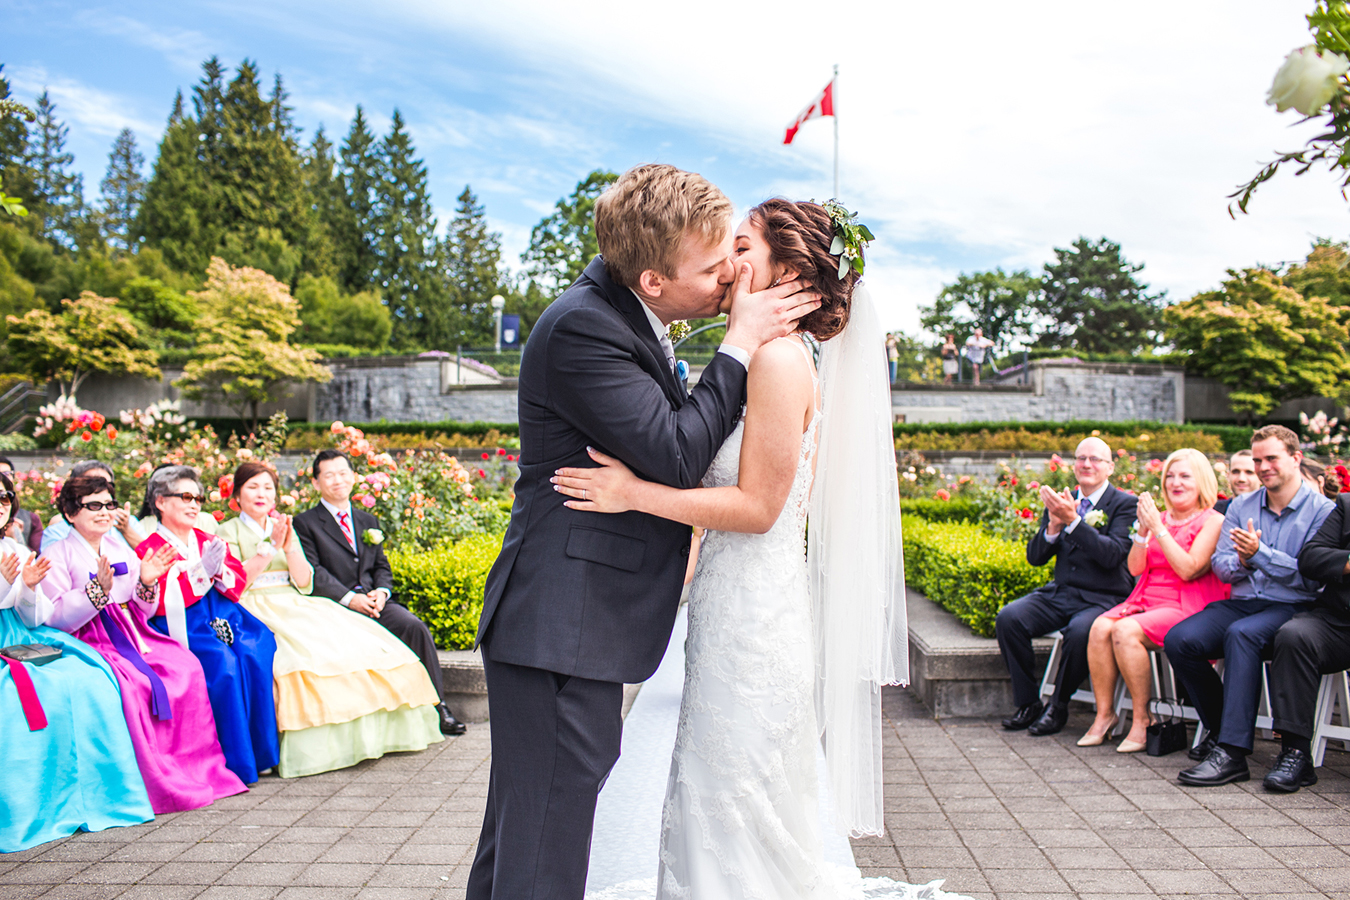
758	317
605	488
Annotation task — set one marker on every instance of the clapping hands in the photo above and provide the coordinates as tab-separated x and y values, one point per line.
1061	507
156	564
213	557
281	530
1246	541
9	567
1150	519
35	570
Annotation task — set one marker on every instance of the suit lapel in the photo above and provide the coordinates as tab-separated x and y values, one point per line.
628	305
335	530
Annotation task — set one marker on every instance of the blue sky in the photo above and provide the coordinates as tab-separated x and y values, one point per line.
973	135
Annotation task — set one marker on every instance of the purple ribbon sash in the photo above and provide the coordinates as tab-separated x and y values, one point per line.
118	568
159	697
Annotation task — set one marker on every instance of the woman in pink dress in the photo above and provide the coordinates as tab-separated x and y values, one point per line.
102	594
1170	557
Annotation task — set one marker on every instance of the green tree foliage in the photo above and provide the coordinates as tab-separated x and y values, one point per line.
15	179
174	216
470	261
326	206
169	315
243	355
405	243
327	316
564	242
91	335
361	174
1264	340
1325	273
123	189
57	202
996	301
1090	301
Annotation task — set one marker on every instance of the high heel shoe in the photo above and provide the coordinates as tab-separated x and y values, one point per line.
1096	740
1129	746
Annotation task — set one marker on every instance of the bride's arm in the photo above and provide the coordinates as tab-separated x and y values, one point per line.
779	395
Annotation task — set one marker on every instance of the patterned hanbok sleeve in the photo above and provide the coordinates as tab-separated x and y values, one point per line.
73	596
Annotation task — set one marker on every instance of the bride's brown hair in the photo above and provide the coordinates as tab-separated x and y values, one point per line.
799	237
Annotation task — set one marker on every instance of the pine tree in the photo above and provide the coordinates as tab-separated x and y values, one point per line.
175	215
354	230
57	205
405	233
470	262
123	189
1091	301
325	206
15	179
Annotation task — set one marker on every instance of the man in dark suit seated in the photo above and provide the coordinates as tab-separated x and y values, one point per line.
1263	533
354	571
1088	534
1311	644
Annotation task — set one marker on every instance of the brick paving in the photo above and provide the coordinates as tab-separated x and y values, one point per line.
997	815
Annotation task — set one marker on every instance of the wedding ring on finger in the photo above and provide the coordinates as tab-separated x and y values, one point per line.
584	493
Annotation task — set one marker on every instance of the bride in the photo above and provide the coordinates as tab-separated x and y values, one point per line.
785	647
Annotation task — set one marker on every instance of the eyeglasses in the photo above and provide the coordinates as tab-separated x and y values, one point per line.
6	498
1091	460
96	505
189	497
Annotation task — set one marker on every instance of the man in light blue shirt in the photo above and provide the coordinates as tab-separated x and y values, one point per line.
1257	554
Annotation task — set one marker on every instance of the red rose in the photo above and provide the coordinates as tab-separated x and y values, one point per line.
487	456
220	515
481	473
1026	512
501	452
86	436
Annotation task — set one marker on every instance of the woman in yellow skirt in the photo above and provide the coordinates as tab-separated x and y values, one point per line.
346	689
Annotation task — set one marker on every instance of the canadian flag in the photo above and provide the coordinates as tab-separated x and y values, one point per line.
823	105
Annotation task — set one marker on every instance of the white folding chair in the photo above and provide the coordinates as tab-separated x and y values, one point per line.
1052	669
1164	691
1335	688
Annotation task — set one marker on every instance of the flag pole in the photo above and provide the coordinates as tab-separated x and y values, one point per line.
835	99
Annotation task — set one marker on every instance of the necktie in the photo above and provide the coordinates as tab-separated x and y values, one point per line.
1083	506
669	349
346	528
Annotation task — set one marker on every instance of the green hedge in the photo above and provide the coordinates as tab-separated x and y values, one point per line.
935	510
448	427
1234	437
444	587
967	571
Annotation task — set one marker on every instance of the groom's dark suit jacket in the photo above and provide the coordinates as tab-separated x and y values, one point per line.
590	594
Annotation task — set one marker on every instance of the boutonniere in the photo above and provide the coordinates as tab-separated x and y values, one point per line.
266	547
681	370
1097	518
373	536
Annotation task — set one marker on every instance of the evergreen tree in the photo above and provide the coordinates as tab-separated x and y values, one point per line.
1091	301
123	189
564	243
175	215
15	179
325	206
405	234
355	229
57	205
470	262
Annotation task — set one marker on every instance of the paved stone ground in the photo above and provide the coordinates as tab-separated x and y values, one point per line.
997	815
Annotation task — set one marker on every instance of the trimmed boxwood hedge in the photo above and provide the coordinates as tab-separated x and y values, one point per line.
444	587
967	571
1234	437
934	510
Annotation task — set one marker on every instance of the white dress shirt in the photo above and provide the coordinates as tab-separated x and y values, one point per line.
351	519
661	330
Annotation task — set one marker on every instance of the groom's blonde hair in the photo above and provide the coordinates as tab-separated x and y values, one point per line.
641	220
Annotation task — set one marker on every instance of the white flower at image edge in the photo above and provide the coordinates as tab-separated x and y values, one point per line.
1307	81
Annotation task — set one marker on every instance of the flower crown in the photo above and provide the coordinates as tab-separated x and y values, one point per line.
850	237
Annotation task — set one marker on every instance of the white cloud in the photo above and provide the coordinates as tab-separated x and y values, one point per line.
88	108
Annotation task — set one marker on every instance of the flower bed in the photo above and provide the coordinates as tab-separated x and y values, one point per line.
1135	437
968	571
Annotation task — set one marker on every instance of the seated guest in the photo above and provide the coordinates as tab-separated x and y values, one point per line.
1319	477
1088	535
1241	479
1170	556
145	521
198	606
1262	535
343	544
346	689
69	763
1313	643
28	523
124	530
101	593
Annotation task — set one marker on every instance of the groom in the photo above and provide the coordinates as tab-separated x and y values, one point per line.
580	603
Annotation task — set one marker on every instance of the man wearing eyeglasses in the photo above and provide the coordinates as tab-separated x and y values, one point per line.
1087	533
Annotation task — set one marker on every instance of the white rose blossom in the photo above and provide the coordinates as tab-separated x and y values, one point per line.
1307	81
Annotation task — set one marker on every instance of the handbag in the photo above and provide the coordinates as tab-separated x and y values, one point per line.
32	654
1167	735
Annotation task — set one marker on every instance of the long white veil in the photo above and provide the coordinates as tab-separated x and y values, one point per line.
856	568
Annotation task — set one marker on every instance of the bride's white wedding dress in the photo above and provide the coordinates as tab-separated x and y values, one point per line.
740	817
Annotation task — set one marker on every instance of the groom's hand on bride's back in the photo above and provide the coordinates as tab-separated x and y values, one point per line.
758	317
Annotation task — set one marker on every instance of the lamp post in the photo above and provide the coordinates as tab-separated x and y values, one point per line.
498	304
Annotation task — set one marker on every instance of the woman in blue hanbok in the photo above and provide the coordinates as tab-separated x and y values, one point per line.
68	761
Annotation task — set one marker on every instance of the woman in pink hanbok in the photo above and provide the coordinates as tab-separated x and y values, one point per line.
102	594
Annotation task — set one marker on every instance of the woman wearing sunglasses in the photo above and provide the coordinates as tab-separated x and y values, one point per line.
197	605
102	594
42	790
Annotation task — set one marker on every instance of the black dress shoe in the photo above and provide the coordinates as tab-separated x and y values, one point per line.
449	724
1024	716
1203	749
1292	770
1051	721
1220	767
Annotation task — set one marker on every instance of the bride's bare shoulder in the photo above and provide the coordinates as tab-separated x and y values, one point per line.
782	357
